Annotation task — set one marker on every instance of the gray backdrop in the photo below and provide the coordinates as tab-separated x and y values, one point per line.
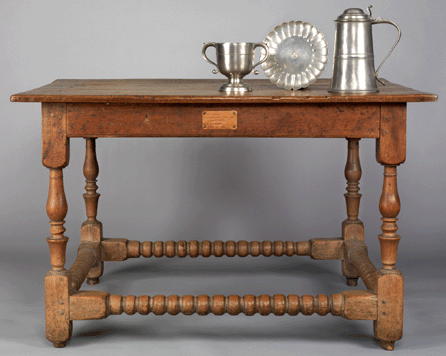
253	189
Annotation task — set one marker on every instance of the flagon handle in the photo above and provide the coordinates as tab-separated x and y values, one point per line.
379	20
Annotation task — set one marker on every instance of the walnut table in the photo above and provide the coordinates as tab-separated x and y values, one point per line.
92	109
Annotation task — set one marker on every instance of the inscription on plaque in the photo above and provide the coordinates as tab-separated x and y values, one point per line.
219	120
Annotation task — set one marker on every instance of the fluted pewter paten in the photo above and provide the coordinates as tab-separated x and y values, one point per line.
235	60
353	63
298	54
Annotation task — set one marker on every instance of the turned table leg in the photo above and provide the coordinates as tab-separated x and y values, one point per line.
390	152
55	156
57	280
389	325
352	227
91	230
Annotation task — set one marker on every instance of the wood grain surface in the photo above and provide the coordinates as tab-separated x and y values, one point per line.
203	91
185	120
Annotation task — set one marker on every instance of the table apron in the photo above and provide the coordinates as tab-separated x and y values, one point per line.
355	120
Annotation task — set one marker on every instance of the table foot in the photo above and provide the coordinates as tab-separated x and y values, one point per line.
59	344
387	345
352	282
93	281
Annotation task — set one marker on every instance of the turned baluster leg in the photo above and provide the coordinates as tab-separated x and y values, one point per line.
389	206
352	227
57	280
390	152
92	228
389	325
55	156
56	209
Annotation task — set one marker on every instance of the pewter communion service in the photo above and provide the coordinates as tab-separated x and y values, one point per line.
353	59
235	60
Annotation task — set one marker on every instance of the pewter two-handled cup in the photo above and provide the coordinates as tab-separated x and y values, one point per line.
235	60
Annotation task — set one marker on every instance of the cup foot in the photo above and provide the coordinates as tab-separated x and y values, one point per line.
235	88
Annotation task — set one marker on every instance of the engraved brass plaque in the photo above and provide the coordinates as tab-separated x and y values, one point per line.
219	120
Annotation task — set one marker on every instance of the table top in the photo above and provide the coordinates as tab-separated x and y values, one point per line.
204	91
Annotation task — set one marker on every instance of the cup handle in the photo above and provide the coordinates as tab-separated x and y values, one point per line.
203	52
265	47
379	20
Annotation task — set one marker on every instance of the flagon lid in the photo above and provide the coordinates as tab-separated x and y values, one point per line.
354	14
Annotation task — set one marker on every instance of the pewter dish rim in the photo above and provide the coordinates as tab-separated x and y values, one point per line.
290	79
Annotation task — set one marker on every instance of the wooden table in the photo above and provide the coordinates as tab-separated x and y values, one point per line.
91	109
